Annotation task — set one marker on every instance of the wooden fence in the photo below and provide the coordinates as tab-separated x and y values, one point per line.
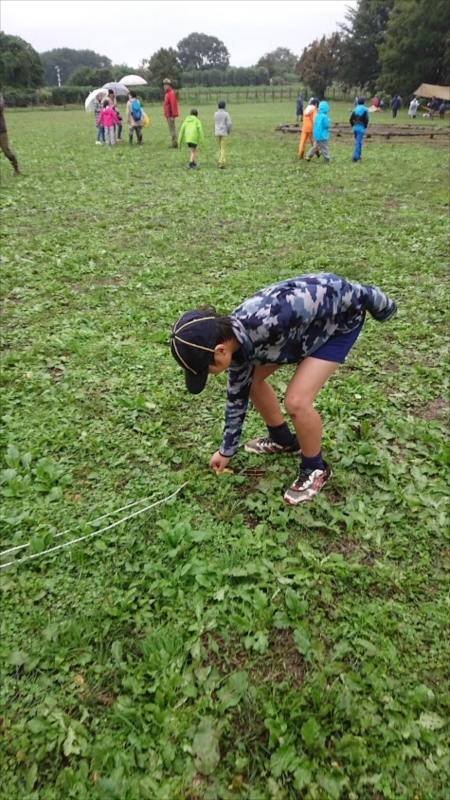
251	94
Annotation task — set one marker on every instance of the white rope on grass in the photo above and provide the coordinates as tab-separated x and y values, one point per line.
92	522
95	533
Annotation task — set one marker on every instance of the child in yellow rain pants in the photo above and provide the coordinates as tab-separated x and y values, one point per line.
222	129
307	125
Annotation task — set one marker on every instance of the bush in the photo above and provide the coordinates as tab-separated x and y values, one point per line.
66	95
19	98
151	94
287	79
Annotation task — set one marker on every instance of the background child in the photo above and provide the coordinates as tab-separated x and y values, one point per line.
108	118
396	104
413	106
111	100
307	125
135	117
321	134
299	107
433	105
359	120
100	138
192	131
310	321
222	129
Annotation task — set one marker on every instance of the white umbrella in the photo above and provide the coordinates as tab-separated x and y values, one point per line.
118	88
89	102
133	80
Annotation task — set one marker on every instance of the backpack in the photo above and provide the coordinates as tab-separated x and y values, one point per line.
136	112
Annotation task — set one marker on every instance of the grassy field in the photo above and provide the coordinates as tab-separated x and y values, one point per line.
222	644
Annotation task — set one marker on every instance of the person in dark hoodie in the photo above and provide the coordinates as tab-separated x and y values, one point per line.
359	121
433	105
395	104
299	107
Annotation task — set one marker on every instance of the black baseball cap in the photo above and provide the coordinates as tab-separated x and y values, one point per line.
192	342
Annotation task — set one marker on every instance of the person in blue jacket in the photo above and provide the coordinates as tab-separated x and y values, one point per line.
321	134
311	322
359	121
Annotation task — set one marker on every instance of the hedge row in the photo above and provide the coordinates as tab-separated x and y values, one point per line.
76	95
67	95
20	98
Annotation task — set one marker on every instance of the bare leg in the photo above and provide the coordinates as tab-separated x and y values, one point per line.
310	375
4	146
263	396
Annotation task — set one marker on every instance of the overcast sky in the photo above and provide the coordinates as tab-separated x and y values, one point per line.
127	32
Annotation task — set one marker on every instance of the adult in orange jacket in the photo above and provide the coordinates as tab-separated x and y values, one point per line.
170	109
307	125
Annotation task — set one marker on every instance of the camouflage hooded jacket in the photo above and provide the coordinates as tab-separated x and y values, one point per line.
285	323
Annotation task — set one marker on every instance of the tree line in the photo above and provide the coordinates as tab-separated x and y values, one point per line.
383	45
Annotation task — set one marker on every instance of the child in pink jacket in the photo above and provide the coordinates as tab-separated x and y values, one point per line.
108	118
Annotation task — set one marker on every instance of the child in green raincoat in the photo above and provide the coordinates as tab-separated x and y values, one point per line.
192	132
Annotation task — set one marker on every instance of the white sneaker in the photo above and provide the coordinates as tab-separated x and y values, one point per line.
307	485
99	143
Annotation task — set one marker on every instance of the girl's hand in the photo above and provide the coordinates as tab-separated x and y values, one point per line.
218	462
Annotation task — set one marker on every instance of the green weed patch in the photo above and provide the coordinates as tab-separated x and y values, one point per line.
223	645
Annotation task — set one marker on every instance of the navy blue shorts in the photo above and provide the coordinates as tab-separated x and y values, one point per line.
338	346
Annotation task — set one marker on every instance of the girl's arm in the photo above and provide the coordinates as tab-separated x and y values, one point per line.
238	393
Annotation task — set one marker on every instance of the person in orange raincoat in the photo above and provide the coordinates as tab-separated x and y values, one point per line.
307	125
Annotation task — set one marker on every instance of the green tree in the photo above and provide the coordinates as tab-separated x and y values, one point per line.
163	64
262	76
416	47
278	61
120	70
319	64
363	34
20	65
251	76
214	77
199	51
190	78
230	76
86	76
68	60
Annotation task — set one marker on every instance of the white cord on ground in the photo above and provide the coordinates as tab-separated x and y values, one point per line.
63	533
95	533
